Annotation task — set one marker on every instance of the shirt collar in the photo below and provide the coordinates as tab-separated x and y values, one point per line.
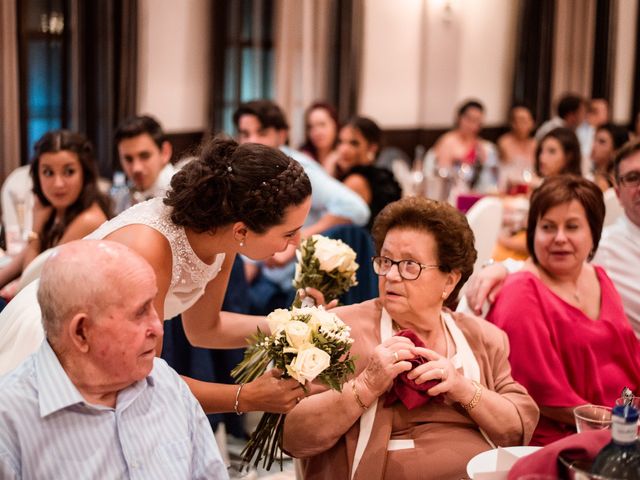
631	227
160	186
56	391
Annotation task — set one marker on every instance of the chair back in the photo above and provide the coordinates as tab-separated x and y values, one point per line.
17	206
485	219
360	240
613	209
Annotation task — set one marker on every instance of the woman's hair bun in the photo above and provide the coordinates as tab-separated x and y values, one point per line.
217	153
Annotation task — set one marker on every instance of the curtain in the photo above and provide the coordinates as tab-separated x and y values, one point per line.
9	99
534	54
573	48
108	72
301	58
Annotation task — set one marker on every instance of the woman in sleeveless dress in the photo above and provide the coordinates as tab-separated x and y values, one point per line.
249	200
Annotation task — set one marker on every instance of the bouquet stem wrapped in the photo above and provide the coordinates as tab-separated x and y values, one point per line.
325	264
306	344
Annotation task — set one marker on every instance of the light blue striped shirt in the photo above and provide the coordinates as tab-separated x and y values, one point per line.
48	431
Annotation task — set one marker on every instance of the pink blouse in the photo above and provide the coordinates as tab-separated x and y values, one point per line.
560	355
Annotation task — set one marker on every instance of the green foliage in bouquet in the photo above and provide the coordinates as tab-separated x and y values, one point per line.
308	344
327	265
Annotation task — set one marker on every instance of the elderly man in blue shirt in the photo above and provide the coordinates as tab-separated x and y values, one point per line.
332	203
94	401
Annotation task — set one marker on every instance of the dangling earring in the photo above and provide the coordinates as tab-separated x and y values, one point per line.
242	242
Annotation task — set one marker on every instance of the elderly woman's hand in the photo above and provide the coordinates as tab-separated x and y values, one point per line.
317	296
455	386
389	360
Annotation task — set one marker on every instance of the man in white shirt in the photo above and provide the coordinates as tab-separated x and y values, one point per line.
144	154
619	249
94	401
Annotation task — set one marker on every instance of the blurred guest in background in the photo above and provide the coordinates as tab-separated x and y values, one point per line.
517	146
597	115
571	112
462	145
608	139
321	134
558	152
144	154
68	204
358	145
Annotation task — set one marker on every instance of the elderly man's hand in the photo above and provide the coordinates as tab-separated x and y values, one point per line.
270	393
389	360
455	386
485	285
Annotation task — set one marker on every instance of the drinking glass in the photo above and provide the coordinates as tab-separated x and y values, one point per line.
592	417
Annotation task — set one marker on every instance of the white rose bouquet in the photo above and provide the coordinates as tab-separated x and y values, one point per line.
306	344
325	264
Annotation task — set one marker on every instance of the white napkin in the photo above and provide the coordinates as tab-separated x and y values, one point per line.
504	462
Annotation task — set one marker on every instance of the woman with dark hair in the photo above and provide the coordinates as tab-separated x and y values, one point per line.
409	337
68	203
607	140
233	199
558	152
463	145
358	146
571	341
321	133
517	147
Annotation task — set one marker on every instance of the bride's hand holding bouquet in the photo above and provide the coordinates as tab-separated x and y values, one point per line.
306	344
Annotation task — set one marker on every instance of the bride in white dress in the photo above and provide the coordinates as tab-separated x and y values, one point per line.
232	199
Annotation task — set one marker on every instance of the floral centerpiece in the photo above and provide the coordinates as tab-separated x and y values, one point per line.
325	264
306	344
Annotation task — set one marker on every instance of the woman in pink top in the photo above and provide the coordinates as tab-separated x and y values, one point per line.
571	343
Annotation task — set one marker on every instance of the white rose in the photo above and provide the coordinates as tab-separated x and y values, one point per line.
277	320
327	253
321	318
308	364
298	333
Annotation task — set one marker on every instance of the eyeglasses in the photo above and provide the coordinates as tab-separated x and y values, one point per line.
630	180
408	269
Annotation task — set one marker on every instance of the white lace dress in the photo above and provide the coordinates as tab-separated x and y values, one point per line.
20	322
189	274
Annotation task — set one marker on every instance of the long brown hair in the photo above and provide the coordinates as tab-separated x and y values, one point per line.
56	141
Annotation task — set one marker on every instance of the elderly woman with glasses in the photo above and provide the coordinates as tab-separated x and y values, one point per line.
432	387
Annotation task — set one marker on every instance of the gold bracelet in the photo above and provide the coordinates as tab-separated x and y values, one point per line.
31	236
237	404
476	398
358	399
